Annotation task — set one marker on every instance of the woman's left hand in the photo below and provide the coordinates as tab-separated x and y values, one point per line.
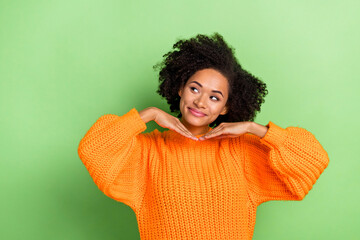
227	129
235	129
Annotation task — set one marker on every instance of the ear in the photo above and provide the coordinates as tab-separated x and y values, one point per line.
180	92
224	111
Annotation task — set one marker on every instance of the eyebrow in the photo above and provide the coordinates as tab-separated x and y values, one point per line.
212	90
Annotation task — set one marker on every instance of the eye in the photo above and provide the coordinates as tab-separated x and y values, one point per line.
192	88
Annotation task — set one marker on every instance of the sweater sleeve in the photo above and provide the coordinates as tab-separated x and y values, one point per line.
284	164
116	155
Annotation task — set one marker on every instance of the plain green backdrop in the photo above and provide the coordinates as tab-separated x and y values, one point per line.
63	64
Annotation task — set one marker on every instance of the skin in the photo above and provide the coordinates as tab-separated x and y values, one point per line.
204	99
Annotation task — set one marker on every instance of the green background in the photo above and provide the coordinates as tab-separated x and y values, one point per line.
63	64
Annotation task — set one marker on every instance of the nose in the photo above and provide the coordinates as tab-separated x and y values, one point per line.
200	101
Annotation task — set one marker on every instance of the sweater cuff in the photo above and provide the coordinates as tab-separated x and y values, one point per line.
275	135
135	121
131	123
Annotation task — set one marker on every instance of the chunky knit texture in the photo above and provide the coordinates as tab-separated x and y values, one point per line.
180	188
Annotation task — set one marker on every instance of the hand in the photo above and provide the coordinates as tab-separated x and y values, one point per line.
166	120
227	129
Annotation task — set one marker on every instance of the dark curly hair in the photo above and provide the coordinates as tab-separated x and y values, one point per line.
246	92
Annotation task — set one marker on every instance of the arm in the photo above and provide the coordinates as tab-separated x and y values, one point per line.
257	129
116	156
148	114
284	164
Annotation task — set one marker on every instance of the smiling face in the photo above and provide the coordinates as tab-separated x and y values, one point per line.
203	99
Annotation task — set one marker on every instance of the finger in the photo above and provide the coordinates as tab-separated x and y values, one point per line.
183	128
221	136
207	134
180	128
210	136
184	131
218	133
214	132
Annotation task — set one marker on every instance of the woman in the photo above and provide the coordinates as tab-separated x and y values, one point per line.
205	176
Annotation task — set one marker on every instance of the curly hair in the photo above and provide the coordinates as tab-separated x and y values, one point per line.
246	92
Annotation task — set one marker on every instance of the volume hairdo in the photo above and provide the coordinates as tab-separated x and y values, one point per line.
246	92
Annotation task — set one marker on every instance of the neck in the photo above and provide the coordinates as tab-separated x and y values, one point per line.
195	130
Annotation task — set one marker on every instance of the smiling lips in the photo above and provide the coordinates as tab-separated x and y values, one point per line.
196	113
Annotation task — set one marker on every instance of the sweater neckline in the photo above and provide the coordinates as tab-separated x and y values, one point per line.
199	135
179	137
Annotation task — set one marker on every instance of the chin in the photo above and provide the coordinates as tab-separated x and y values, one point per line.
194	121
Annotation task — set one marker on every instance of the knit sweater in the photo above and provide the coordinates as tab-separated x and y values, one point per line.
180	188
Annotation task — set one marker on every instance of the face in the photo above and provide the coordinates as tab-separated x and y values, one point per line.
203	99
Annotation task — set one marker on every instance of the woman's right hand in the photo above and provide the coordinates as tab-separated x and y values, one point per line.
165	120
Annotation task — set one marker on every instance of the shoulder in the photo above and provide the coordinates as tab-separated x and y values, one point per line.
247	143
154	137
245	139
155	134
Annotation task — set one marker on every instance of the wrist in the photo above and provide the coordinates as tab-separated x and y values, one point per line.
148	114
250	127
257	129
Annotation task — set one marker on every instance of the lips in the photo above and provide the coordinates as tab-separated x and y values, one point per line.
196	112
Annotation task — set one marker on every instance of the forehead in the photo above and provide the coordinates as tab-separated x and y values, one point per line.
210	78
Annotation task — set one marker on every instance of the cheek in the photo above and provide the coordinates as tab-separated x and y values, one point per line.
183	103
186	98
219	109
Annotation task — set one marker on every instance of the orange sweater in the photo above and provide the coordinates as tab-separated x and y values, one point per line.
180	188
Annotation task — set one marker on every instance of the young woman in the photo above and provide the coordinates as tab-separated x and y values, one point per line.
204	177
